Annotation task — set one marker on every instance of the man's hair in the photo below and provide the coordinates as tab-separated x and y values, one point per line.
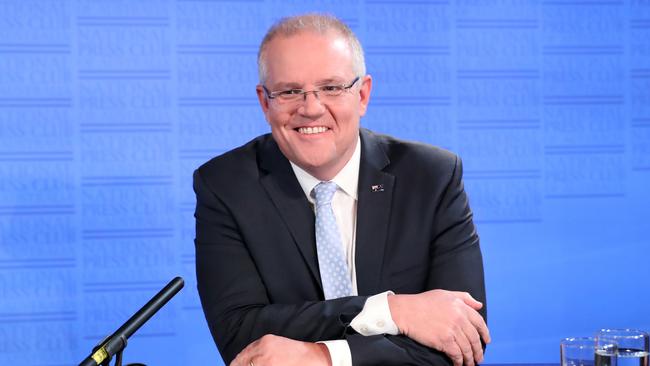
313	22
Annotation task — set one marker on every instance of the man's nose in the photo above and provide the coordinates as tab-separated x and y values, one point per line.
311	105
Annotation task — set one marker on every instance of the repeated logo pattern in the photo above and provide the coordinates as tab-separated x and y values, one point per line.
106	108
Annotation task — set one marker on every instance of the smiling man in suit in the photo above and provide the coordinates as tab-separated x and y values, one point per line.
326	244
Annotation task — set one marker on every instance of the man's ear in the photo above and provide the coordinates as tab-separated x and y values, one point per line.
264	101
364	94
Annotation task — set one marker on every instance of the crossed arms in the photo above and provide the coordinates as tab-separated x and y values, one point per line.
260	300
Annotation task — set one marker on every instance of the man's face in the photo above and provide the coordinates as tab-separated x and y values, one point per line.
308	61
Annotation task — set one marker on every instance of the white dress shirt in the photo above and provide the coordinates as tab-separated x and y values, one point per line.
375	316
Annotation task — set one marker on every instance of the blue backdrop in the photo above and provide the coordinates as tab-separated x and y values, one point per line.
106	107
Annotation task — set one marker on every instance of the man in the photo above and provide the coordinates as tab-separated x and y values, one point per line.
387	272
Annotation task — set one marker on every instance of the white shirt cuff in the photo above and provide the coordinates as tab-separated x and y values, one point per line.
375	318
339	352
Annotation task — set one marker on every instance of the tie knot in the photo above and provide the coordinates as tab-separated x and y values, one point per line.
323	193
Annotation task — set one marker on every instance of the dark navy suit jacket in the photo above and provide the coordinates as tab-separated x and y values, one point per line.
256	261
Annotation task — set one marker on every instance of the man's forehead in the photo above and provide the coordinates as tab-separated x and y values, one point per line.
329	41
308	58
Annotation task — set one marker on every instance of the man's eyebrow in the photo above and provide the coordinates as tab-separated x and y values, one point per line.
330	81
286	86
295	85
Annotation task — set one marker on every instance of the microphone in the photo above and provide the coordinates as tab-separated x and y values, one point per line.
116	342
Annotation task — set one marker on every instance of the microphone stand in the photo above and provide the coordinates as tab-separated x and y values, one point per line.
116	342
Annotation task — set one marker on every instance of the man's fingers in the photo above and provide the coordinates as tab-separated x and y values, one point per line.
465	347
477	320
237	361
242	359
454	352
469	300
476	349
456	329
247	354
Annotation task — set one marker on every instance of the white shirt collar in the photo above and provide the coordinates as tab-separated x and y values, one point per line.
347	179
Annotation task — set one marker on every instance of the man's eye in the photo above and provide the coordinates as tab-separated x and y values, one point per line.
331	88
291	92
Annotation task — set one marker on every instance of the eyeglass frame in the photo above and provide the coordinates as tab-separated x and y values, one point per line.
274	94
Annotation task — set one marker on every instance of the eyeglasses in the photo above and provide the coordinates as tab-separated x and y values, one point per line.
296	95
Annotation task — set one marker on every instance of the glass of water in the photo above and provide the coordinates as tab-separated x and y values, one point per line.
587	351
633	346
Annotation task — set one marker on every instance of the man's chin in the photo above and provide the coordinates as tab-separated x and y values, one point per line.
314	163
317	166
315	153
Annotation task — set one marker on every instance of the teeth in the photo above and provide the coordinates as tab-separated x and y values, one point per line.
312	130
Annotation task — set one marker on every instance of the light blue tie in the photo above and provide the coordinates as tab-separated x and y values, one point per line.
331	260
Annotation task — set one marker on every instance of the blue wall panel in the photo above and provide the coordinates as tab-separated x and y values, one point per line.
106	107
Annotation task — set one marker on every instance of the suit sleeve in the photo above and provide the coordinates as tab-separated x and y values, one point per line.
238	309
233	295
456	264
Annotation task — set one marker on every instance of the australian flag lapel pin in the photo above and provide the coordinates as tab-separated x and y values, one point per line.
377	187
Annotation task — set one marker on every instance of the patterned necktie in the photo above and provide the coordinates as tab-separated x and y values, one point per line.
331	259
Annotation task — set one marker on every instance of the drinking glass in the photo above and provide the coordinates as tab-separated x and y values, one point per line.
633	346
587	351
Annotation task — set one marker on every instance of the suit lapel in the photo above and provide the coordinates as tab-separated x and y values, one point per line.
373	208
288	197
373	214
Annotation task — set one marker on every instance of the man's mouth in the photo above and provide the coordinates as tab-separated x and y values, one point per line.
312	130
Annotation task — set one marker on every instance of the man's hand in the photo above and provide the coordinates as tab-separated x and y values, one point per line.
444	320
272	350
